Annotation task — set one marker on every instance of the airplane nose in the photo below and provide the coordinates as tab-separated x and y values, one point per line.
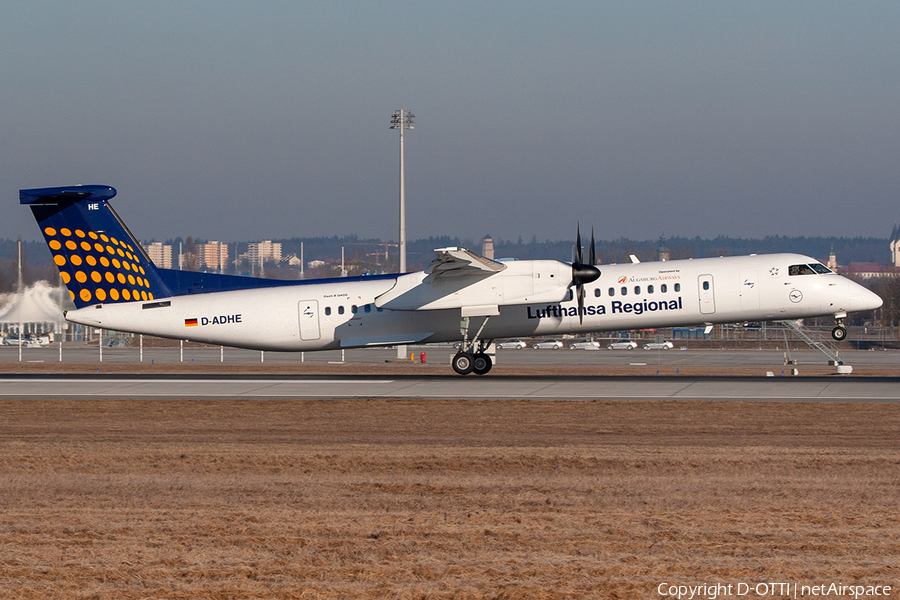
863	299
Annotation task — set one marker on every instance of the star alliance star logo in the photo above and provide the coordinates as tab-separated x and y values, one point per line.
773	271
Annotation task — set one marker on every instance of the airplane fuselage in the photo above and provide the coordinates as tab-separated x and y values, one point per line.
529	298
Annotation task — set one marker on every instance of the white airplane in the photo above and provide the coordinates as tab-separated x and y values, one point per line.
460	296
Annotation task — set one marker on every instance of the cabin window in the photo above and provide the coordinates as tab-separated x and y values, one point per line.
663	288
706	286
327	310
379	309
650	289
637	290
677	287
341	310
612	291
354	309
368	308
624	291
597	293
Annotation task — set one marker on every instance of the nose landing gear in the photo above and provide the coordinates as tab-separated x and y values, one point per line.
839	333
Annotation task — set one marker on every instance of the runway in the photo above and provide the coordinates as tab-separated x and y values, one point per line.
583	388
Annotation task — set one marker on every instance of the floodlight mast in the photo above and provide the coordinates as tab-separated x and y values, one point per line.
402	119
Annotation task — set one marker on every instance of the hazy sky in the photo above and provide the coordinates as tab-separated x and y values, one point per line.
246	120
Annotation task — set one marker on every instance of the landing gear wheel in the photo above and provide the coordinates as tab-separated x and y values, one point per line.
839	333
481	363
463	363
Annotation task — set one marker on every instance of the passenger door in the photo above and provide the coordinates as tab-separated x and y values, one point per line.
309	320
707	295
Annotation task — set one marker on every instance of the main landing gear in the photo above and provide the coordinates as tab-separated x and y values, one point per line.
472	357
466	362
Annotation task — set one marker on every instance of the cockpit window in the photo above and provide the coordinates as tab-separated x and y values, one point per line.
808	269
800	270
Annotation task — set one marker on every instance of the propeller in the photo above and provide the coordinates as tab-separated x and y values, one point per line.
583	273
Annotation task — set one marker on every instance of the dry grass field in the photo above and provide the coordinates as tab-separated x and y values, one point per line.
441	499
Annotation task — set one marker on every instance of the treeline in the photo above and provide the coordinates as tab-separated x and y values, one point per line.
848	250
420	252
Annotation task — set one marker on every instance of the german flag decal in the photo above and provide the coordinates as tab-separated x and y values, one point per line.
190	322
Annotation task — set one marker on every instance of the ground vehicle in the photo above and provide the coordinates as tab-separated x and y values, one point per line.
547	345
27	341
514	344
584	345
621	345
664	345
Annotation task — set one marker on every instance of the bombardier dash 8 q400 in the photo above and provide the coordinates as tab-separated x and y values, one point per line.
459	296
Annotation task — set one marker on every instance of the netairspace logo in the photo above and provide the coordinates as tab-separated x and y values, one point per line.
711	591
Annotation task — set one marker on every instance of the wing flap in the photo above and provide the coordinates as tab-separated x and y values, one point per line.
459	262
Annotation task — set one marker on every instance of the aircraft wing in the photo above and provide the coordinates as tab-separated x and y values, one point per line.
459	262
458	278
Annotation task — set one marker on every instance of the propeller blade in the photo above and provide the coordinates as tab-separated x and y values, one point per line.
578	255
582	273
593	257
579	289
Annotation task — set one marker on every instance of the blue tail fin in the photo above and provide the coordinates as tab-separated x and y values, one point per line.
98	258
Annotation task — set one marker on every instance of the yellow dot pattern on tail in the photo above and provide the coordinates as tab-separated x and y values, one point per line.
99	271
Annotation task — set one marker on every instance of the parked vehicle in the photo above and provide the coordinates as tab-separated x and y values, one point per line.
584	345
547	345
621	345
664	345
27	341
513	344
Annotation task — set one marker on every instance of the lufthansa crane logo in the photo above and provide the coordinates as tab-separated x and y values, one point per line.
795	296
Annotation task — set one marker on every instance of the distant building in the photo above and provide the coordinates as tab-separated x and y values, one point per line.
869	270
39	309
212	255
264	251
895	246
160	254
487	247
832	260
663	252
293	261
